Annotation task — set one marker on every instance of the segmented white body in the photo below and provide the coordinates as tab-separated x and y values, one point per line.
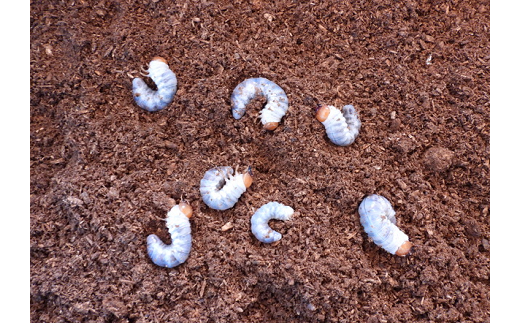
378	220
342	127
221	190
277	102
259	221
177	252
166	82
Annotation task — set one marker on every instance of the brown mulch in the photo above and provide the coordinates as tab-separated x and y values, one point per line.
105	172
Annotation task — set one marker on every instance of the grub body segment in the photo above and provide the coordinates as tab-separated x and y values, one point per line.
275	108
378	219
220	189
342	127
164	79
260	221
176	253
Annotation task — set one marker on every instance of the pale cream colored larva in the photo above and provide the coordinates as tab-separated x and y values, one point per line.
164	79
260	220
220	189
177	252
342	127
378	219
275	108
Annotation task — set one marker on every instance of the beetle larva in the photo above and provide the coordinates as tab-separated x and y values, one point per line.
166	82
342	127
220	190
378	220
259	221
178	225
275	108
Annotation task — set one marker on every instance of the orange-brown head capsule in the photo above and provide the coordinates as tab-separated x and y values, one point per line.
322	113
404	249
270	125
160	59
186	209
248	177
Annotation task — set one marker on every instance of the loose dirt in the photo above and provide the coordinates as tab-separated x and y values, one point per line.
105	172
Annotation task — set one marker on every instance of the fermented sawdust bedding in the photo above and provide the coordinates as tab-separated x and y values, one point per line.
105	172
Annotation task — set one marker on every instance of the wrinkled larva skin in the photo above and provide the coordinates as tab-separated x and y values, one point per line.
220	190
177	252
378	219
259	221
166	82
277	101
342	127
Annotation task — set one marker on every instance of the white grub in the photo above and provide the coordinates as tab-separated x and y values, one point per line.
220	189
178	224
166	83
260	220
275	108
342	127
378	219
